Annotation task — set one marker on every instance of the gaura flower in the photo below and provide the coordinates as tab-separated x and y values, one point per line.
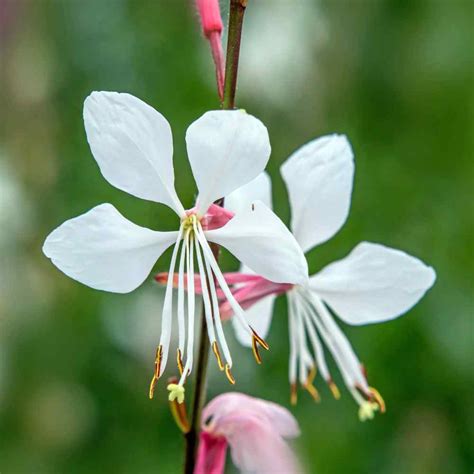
372	284
254	429
133	146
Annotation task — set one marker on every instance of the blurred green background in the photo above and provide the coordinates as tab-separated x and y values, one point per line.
395	76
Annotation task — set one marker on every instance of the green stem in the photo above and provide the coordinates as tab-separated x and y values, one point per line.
236	18
200	383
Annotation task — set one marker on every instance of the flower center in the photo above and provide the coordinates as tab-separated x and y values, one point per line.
189	221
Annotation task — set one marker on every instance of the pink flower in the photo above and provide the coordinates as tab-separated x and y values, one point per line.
254	429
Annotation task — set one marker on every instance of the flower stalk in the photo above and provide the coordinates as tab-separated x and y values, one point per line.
236	18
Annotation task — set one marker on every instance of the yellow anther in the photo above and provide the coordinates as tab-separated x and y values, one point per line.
256	354
156	372
229	375
151	390
334	390
179	361
367	410
313	392
293	394
261	341
310	387
176	392
312	375
215	349
378	399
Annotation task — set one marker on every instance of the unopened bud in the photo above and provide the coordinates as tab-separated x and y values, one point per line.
210	15
211	22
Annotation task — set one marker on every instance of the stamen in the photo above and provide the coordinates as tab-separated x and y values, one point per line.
151	390
166	321
310	387
334	390
378	399
305	360
256	339
292	366
256	354
179	361
229	375
261	341
313	392
238	312
181	319
342	346
191	303
156	373
316	343
347	364
215	311
205	296
215	349
293	394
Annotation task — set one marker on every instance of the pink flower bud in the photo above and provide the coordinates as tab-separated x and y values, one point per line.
210	14
211	22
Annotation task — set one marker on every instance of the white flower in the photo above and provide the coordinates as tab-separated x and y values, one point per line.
133	146
372	284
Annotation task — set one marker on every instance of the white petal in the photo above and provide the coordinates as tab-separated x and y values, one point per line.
259	317
133	146
319	180
373	283
226	149
105	251
260	240
259	189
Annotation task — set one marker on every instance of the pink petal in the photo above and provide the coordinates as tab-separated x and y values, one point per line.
255	430
211	454
215	217
276	416
255	290
256	447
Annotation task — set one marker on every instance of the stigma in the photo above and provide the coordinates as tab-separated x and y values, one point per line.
176	392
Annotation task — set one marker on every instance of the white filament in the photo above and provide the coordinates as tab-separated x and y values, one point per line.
181	322
308	315
292	330
191	308
238	312
205	295
215	311
166	321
